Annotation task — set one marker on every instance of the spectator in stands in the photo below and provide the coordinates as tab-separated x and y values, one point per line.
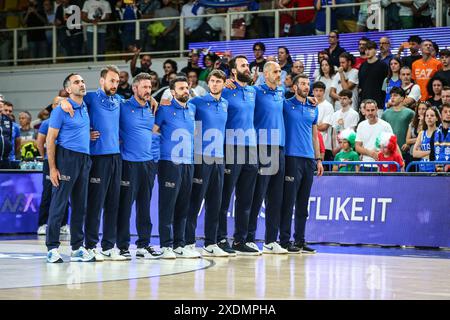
169	67
288	85
42	115
146	63
442	139
387	143
257	66
422	14
392	80
324	123
344	118
371	76
213	28
49	11
346	17
415	126
168	38
128	12
367	133
346	153
95	11
28	135
297	67
399	117
267	20
434	89
304	19
414	47
422	147
193	59
208	61
405	14
361	24
424	69
193	84
346	78
191	24
334	50
435	50
124	88
444	73
37	40
445	95
412	90
71	39
321	16
362	45
284	59
147	9
327	75
158	93
385	55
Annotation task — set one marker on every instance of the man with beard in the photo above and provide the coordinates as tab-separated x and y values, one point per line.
302	158
104	178
124	89
138	169
211	113
146	63
241	166
362	52
269	124
175	123
69	164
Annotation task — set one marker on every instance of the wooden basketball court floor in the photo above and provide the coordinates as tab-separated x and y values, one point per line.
335	272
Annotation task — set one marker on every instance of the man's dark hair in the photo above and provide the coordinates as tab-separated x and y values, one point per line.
299	76
399	91
218	74
371	45
426	40
108	68
232	62
345	93
444	53
348	56
445	105
173	63
174	81
66	81
364	39
319	85
445	88
8	103
141	76
259	44
335	32
415	38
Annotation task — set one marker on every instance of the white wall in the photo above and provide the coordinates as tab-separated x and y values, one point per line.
33	87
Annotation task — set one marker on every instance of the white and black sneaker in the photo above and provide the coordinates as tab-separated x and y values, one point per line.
274	248
253	246
125	253
225	246
305	249
98	256
244	250
42	230
167	253
53	256
185	253
213	250
113	255
291	248
148	253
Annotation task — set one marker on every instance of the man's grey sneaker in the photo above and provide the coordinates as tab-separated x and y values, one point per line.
81	255
96	253
53	256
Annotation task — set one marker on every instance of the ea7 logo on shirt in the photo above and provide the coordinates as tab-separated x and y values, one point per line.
95	180
169	184
289	179
423	73
227	171
197	181
124	183
64	178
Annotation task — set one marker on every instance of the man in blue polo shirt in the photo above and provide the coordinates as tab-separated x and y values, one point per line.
302	157
69	164
139	169
241	166
175	123
269	125
104	178
211	117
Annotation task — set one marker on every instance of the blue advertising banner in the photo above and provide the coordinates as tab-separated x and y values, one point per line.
386	210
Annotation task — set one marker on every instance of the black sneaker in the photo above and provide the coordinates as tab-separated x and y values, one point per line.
125	253
147	253
244	250
225	246
291	248
305	248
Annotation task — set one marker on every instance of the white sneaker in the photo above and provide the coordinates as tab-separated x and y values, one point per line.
53	256
190	246
147	253
213	250
81	255
65	230
167	253
193	251
112	255
274	248
184	253
253	246
95	253
42	230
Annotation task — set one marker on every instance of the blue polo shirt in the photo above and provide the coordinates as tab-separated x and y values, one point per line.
43	129
74	132
155	146
241	109
299	119
104	112
269	115
211	115
136	125
177	124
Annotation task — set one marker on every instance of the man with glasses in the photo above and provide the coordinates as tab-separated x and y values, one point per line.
385	50
257	66
334	50
297	68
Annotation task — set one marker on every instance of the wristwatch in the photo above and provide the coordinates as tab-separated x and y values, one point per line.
317	159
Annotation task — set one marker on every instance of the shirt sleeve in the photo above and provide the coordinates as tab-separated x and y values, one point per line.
16	131
353	76
160	115
43	129
415	93
359	133
107	7
167	95
85	7
56	118
355	120
316	117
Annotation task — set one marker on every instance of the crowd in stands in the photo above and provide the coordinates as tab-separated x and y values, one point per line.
164	35
406	97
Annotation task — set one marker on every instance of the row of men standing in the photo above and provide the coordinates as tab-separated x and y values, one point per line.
105	159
